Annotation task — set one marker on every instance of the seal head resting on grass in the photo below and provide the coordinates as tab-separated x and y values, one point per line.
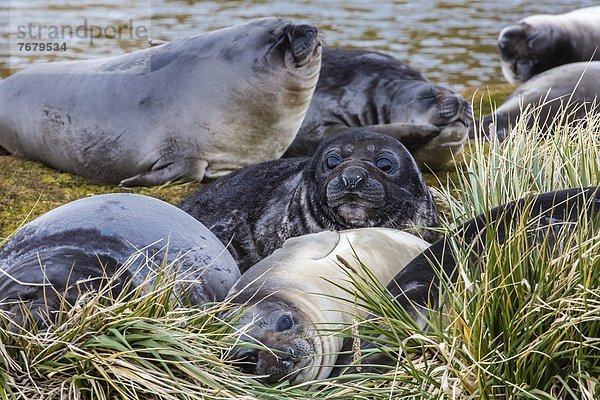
295	302
194	107
374	90
79	246
358	179
538	43
565	94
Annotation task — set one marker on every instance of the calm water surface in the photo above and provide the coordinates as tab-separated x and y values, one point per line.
451	42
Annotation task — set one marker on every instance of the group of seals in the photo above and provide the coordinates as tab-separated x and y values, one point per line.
80	245
553	55
570	91
124	120
539	42
293	301
357	179
195	107
359	88
133	119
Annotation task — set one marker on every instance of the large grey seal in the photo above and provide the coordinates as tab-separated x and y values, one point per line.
297	300
374	90
198	106
78	245
537	43
355	180
570	90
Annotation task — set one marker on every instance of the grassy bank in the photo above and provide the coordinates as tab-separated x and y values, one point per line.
522	323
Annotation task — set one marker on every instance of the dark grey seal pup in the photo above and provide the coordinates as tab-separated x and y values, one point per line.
77	246
360	88
537	43
418	283
355	180
571	90
194	107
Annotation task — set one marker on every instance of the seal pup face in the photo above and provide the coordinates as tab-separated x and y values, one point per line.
429	104
529	48
278	342
516	52
296	45
277	65
364	179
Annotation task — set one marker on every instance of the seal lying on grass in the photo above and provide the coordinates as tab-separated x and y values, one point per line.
374	90
540	42
417	285
359	179
297	299
194	107
570	91
80	245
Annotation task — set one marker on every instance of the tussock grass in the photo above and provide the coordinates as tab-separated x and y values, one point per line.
524	320
521	322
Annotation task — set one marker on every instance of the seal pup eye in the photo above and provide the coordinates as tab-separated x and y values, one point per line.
284	323
384	164
332	161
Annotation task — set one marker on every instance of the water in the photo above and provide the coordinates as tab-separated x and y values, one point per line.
451	42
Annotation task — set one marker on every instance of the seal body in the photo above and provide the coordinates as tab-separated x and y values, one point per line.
417	285
358	179
194	107
295	300
570	90
75	247
540	42
360	88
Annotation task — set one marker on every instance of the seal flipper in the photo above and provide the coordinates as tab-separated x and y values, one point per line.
37	289
412	136
164	173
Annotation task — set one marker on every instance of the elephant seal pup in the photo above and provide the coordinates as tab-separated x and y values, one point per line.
571	89
194	107
75	247
297	299
417	285
374	90
356	180
537	43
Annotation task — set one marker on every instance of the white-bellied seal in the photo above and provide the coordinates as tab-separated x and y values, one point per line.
360	88
297	300
195	107
570	90
79	245
547	213
355	180
537	43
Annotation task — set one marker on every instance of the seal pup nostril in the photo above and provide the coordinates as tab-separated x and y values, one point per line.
353	178
291	352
